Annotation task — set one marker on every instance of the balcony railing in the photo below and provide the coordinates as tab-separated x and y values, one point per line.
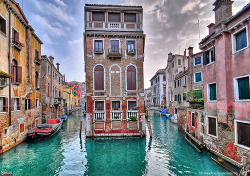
98	50
132	113
114	25
115	115
17	44
115	53
3	82
99	115
37	61
121	26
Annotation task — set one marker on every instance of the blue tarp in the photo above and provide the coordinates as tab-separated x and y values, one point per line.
164	111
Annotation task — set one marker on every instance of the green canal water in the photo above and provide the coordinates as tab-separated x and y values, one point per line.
167	153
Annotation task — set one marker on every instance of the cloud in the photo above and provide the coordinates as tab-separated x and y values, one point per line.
60	2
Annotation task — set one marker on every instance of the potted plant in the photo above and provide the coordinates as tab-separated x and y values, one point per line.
116	117
133	118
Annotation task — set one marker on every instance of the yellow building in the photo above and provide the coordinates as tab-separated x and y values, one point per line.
20	96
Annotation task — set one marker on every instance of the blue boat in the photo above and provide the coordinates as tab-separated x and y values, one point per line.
64	118
164	112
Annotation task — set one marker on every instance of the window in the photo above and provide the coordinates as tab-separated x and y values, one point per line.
2	25
242	88
21	128
164	78
98	16
243	134
15	36
98	46
37	103
99	78
48	69
175	84
172	64
131	78
185	80
16	72
178	83
36	80
27	104
114	46
131	105
16	104
184	96
36	55
48	91
179	61
130	47
179	97
3	104
197	61
193	120
114	17
212	92
175	97
197	77
240	40
209	56
116	105
130	17
212	126
99	105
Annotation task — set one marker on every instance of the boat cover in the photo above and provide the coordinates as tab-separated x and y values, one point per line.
44	125
164	111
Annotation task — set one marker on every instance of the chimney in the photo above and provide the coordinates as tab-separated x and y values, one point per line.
211	28
51	59
170	55
190	51
223	10
57	66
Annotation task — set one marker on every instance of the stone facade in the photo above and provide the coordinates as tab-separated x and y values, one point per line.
158	89
52	89
108	60
19	99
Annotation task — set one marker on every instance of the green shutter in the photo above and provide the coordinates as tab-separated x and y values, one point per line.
243	86
213	92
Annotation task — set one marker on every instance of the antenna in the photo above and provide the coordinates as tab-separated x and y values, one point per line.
199	29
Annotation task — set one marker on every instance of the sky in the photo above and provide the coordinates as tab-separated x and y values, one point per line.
169	25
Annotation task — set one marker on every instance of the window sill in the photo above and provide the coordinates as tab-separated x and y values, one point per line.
246	100
197	65
212	135
242	146
1	32
15	83
198	82
3	112
235	52
211	101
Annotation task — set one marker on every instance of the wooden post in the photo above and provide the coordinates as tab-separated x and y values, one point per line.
81	128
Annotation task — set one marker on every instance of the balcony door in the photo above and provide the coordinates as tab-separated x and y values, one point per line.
114	45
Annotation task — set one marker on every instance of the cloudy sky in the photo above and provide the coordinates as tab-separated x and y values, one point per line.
169	25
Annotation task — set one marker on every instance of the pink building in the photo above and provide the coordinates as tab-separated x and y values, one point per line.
226	78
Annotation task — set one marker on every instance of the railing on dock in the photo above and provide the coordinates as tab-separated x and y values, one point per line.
115	115
132	113
99	115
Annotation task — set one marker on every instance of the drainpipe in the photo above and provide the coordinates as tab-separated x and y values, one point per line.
9	42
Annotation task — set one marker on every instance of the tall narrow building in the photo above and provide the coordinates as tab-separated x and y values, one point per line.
114	54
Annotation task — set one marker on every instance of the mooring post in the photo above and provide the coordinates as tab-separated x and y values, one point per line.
80	128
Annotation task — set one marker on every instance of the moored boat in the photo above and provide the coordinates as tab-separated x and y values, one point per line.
44	131
64	118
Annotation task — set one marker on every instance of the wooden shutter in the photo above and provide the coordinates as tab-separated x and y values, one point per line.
19	74
212	126
212	91
6	104
99	78
214	53
243	86
130	17
193	120
205	57
26	101
243	134
3	23
12	104
114	17
131	78
98	16
18	104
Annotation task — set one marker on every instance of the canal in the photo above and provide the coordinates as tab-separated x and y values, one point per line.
167	153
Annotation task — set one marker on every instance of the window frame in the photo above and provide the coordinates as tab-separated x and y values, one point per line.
127	52
233	37
179	62
136	78
5	26
208	92
236	88
197	58
208	116
192	120
112	105
236	133
136	20
37	105
98	12
103	51
20	128
104	74
129	101
195	77
104	107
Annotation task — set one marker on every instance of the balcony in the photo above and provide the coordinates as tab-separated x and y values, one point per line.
115	115
115	53
37	61
17	44
99	115
113	26
131	114
131	52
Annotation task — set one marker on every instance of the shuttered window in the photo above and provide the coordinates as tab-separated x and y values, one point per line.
2	25
27	104
193	120
36	80
99	105
131	105
209	56
114	17
241	40
36	54
198	77
243	87
21	128
179	61
98	16
212	126
197	61
116	105
212	91
243	130
130	46
3	104
99	78
98	46
114	45
131	78
130	17
16	72
15	35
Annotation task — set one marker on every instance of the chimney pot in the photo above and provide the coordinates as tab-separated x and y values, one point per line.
190	51
57	66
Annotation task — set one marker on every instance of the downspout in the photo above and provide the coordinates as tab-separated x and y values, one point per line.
9	42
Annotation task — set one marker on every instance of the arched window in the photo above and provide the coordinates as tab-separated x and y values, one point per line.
99	77
36	80
131	78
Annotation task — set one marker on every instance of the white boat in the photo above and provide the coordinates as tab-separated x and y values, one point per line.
174	118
